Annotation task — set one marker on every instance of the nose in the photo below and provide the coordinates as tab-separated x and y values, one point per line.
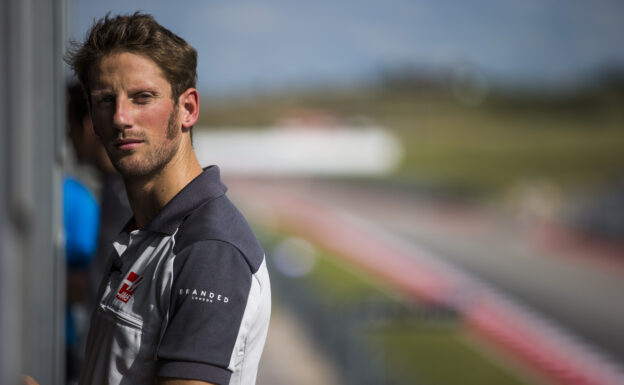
123	117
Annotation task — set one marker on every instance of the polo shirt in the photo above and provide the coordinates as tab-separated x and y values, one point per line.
187	296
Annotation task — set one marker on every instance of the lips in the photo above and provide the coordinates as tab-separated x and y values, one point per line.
127	144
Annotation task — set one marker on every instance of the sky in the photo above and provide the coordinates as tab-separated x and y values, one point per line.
254	45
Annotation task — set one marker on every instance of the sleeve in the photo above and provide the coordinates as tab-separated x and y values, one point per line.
210	290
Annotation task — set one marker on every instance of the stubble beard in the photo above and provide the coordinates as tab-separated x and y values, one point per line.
152	162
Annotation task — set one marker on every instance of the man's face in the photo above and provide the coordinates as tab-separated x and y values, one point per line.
133	113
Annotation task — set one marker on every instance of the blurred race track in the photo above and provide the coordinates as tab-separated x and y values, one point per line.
581	294
577	286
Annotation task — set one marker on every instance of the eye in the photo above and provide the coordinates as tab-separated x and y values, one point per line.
105	100
143	97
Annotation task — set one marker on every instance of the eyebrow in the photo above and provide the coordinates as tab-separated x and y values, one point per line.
100	90
130	91
138	90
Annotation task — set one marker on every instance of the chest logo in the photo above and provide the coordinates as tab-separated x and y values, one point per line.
130	284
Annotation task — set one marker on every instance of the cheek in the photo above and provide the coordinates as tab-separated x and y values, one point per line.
158	119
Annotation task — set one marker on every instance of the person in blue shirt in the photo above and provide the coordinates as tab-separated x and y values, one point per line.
81	218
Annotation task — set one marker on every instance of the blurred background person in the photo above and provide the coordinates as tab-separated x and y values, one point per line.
81	218
91	222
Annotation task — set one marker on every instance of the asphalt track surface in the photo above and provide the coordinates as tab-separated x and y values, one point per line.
291	357
575	287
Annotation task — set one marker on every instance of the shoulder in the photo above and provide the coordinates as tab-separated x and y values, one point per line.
217	227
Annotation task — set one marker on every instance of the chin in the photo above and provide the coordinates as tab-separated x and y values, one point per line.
134	169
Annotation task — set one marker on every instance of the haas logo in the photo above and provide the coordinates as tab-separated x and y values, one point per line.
130	284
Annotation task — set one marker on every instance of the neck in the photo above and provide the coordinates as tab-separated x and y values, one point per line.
150	193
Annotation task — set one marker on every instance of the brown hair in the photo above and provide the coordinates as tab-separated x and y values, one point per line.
137	33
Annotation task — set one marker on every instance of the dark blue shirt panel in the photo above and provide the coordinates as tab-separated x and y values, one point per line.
220	219
211	284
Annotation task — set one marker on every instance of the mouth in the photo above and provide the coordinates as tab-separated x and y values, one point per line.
127	144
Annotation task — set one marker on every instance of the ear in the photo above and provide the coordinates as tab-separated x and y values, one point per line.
189	107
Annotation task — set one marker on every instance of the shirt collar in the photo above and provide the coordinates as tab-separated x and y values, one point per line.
205	187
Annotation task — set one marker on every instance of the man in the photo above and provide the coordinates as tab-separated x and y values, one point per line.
187	296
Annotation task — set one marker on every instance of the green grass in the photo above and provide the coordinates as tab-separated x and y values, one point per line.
485	149
496	160
340	283
440	354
